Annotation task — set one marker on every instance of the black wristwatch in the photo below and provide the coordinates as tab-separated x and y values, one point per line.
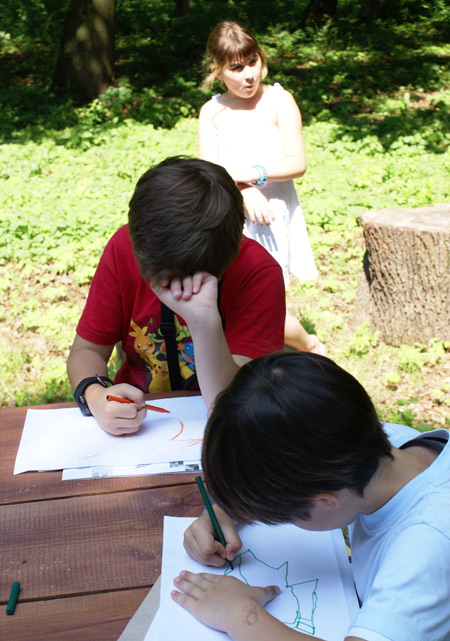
82	385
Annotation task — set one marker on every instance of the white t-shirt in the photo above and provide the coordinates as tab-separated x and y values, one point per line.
401	555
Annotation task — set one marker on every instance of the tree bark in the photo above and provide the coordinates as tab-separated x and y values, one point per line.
182	7
404	288
317	10
85	66
374	9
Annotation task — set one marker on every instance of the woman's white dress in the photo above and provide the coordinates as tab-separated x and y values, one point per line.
253	138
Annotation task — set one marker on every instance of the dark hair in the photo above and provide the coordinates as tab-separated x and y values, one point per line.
185	215
230	41
289	426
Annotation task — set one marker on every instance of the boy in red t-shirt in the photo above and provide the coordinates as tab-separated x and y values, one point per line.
183	244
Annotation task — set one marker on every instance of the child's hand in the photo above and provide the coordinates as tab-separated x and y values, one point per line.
182	288
201	544
217	601
257	206
314	345
114	417
189	296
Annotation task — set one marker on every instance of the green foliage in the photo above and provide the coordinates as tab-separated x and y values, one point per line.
412	358
392	380
363	340
406	416
31	19
385	80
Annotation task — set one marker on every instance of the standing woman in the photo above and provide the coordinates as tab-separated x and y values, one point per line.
255	131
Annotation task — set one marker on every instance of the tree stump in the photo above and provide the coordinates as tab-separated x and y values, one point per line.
404	287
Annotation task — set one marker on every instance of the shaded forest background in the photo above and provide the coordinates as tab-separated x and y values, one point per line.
336	67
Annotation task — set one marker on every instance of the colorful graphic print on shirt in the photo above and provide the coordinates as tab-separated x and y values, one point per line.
150	347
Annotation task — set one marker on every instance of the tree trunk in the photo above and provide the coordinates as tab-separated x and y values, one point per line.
182	7
86	59
317	11
374	9
404	288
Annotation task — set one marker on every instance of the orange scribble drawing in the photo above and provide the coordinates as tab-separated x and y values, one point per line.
175	444
180	432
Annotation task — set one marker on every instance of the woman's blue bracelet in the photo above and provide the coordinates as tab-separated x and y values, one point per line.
262	175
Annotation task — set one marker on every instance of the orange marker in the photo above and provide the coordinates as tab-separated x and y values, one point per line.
126	400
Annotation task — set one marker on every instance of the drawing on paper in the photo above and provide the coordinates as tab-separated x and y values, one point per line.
175	444
300	597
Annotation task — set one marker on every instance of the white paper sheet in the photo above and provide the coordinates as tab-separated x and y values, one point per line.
317	589
56	439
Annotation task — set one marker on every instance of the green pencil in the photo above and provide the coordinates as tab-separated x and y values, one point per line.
13	598
212	515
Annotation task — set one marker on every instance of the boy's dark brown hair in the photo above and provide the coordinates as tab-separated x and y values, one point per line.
288	427
186	215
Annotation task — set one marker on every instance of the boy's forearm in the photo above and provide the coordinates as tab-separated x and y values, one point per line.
214	363
194	298
83	363
253	623
87	359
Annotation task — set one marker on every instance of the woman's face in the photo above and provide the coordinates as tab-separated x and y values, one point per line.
242	77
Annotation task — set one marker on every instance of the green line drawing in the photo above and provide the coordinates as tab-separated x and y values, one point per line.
302	595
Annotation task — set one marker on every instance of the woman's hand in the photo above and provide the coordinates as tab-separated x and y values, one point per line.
200	542
217	601
257	206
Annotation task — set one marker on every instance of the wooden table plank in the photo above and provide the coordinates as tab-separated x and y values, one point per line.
98	617
39	486
85	552
88	544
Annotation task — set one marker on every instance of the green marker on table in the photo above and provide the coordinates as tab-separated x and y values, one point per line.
13	598
212	515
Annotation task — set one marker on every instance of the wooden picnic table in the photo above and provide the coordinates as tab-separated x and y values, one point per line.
85	552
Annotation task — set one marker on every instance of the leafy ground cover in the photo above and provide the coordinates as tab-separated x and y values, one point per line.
375	103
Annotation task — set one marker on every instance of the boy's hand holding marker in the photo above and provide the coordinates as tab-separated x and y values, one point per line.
119	399
217	601
117	418
202	545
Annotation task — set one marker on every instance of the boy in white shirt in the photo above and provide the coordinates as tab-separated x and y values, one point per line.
294	438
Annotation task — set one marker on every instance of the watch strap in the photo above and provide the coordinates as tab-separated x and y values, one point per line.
81	387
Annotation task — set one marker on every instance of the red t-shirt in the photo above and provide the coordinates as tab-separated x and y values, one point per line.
122	307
